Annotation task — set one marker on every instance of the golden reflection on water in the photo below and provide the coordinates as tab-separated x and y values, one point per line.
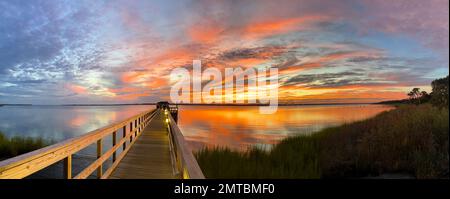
239	127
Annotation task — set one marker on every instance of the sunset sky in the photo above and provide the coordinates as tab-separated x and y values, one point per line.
86	51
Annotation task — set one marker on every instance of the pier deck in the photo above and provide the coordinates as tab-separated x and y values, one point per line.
149	158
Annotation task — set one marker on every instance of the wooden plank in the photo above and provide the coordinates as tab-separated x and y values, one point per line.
149	157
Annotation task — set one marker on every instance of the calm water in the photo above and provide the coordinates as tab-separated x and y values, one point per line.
203	126
61	122
240	127
232	126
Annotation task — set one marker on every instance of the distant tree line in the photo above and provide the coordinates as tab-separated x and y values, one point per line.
437	97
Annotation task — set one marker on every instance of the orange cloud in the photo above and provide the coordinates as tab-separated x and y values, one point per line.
134	76
274	27
76	88
204	34
364	93
298	68
124	90
156	82
132	96
367	96
174	55
142	88
246	62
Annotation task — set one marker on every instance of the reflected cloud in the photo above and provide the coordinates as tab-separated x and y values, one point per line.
58	123
241	127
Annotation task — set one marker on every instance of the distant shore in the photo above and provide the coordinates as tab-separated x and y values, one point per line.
394	102
15	104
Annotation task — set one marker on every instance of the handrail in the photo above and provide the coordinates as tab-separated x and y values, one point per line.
173	108
184	159
26	164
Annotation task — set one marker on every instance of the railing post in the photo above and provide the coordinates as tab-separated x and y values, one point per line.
135	126
131	131
124	133
68	167
138	120
113	145
99	154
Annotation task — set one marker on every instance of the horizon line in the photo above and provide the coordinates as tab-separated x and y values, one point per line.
201	104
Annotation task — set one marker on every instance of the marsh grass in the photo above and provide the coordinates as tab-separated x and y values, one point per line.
10	147
409	139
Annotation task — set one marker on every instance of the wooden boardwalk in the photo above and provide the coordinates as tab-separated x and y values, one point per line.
149	157
159	151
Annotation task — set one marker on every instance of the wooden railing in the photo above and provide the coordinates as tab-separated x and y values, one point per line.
173	109
174	112
185	164
29	163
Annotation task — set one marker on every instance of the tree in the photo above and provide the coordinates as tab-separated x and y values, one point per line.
425	97
417	96
439	96
414	95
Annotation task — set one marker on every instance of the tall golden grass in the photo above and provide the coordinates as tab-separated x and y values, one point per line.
10	147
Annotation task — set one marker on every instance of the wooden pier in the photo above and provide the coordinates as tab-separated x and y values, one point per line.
152	146
150	155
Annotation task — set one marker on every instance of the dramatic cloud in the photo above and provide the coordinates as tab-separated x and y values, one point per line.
63	51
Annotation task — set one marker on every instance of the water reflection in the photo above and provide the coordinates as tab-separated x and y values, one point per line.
58	123
233	126
240	127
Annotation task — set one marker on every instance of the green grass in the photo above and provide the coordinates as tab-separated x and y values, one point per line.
409	139
10	147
